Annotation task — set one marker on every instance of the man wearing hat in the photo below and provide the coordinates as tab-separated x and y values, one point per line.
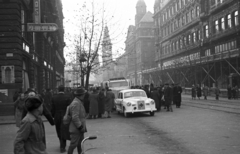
30	137
77	126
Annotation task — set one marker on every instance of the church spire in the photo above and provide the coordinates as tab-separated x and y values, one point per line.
141	10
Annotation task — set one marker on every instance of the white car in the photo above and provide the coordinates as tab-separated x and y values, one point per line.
131	101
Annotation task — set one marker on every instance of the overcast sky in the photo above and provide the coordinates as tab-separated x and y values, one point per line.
124	13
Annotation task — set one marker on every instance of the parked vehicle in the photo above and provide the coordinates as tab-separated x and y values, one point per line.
131	101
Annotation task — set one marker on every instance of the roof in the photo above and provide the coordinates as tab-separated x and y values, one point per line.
127	90
141	3
148	17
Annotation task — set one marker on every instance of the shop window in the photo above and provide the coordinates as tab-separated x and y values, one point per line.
229	21
7	74
236	20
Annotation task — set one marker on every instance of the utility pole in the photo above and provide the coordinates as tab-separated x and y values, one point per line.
135	51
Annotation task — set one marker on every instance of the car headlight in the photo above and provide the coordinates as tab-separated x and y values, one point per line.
152	102
128	104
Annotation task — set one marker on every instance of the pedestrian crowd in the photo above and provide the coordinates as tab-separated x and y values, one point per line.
198	91
78	105
164	95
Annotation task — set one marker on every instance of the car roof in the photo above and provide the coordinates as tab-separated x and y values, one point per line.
127	90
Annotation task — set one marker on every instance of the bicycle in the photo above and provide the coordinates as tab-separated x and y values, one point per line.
86	138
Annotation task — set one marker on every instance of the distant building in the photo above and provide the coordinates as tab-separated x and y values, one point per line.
197	42
27	59
140	45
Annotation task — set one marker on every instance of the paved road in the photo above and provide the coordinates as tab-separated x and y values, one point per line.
188	130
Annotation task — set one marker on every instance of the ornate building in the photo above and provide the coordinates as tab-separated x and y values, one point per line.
30	59
140	46
197	42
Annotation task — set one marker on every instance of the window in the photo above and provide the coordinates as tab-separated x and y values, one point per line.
177	45
7	74
183	20
216	26
189	39
180	4
183	2
199	35
187	18
185	40
192	14
176	6
194	37
181	43
222	23
206	31
23	22
229	21
236	20
197	11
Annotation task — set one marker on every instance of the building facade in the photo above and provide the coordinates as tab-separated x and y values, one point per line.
30	59
197	42
140	45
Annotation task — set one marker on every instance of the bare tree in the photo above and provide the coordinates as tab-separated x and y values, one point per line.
91	19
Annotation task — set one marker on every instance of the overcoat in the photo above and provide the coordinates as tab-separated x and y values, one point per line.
78	114
18	110
59	106
93	99
168	95
101	102
199	92
177	91
193	92
205	91
109	100
156	97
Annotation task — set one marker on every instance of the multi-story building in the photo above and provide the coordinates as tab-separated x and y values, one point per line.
197	42
140	46
30	59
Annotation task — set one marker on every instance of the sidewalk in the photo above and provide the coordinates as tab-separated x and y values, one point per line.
211	98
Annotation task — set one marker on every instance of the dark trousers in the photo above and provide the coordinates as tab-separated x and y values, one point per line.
59	131
76	140
217	97
178	103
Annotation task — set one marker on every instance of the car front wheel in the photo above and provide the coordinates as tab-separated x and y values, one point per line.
152	113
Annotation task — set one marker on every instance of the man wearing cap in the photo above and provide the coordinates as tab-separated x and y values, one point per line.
30	137
77	126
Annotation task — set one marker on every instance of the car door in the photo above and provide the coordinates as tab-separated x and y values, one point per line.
119	101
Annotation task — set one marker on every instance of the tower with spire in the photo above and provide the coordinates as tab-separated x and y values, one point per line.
106	47
141	10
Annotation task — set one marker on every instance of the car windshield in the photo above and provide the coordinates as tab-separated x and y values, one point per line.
134	94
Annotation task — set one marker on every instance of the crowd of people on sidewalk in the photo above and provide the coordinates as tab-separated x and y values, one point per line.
198	91
29	106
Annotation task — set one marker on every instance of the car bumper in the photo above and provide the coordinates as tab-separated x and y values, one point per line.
138	111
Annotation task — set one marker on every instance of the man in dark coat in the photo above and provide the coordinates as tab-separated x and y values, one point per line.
47	98
177	95
167	96
59	106
101	103
156	97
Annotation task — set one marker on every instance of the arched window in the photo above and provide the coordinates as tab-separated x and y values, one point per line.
236	20
229	21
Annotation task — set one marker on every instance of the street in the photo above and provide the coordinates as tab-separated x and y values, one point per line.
188	130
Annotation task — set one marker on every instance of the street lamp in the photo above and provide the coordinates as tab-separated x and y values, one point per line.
81	60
